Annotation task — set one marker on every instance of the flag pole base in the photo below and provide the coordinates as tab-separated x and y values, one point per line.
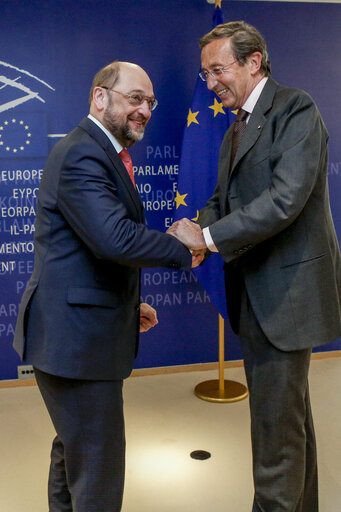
210	391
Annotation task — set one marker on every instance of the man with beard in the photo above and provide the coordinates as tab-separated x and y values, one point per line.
80	314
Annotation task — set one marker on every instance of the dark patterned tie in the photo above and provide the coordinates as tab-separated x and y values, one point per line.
239	126
126	159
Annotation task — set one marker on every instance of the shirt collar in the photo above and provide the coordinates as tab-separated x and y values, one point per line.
110	136
250	103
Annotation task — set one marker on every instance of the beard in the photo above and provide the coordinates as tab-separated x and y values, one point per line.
121	130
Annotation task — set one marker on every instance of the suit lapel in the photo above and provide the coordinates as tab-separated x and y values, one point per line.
256	122
118	167
224	167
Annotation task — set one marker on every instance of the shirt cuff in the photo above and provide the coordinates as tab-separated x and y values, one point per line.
208	239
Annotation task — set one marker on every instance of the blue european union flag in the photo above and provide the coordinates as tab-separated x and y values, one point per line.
207	123
23	134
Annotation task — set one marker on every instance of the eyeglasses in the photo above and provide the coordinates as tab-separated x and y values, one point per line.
136	99
215	72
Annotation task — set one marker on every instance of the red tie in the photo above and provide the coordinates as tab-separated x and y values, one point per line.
126	159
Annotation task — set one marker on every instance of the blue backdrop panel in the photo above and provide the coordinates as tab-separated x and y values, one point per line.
50	52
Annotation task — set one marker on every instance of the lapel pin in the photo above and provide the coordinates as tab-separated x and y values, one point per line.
259	127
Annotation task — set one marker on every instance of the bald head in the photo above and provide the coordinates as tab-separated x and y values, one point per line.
110	75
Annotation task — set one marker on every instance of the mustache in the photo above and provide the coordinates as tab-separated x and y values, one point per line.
139	118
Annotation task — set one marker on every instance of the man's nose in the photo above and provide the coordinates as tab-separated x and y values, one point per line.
211	82
145	109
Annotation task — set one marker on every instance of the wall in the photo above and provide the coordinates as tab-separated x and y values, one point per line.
50	52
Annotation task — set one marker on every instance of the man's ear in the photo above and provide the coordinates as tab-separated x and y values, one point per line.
99	98
255	61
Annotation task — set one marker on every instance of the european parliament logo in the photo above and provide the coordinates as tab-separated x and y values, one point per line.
22	133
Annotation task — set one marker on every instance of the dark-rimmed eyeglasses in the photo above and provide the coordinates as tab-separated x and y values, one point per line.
136	99
215	72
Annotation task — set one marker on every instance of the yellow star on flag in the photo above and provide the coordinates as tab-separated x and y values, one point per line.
191	118
235	112
217	107
218	3
180	199
197	217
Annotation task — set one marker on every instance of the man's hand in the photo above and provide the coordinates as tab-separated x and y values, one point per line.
197	257
148	318
189	233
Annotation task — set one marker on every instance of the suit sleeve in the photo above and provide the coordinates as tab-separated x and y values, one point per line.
297	155
90	200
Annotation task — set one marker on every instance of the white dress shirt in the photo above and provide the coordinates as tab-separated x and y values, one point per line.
248	106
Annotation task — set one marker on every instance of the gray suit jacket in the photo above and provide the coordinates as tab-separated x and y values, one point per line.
272	215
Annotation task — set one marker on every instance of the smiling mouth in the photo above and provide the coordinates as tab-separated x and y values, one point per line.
223	91
140	123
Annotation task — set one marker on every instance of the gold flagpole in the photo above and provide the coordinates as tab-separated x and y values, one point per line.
221	390
221	354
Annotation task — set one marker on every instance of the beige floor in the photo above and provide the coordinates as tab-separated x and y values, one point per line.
164	423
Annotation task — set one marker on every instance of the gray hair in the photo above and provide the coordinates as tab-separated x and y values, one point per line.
245	40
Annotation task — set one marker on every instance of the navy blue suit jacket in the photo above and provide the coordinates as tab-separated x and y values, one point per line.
79	315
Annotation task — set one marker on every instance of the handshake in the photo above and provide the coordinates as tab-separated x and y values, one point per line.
190	234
